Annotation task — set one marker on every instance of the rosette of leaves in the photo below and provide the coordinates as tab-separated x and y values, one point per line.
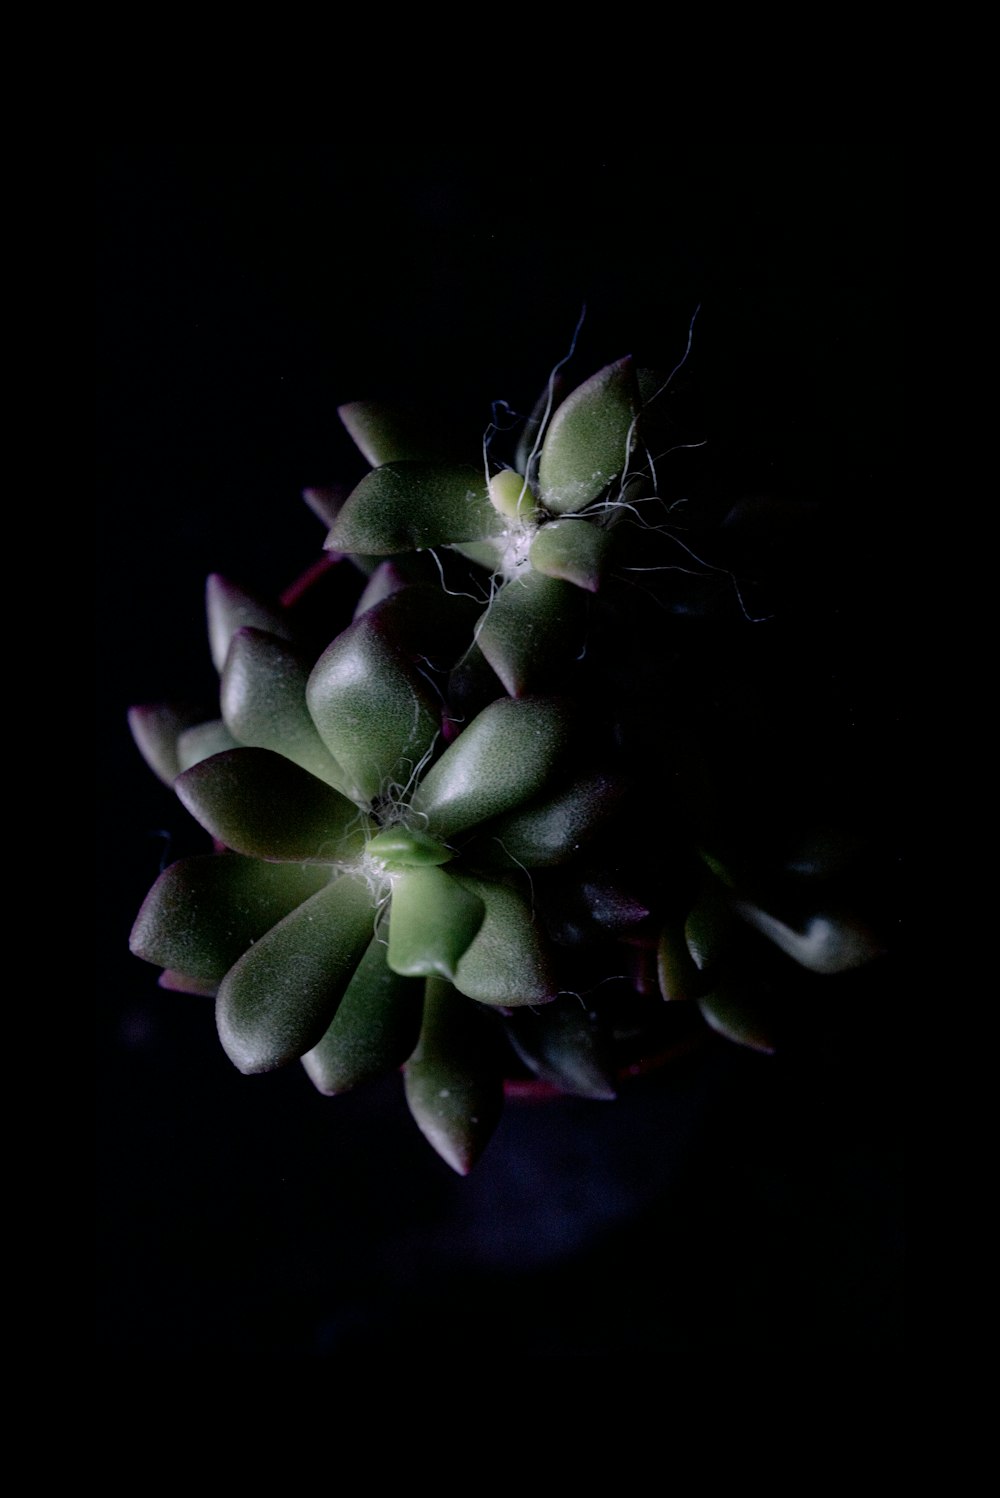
499	792
341	919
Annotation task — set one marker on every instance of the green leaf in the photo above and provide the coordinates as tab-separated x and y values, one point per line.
398	848
263	701
410	506
553	830
390	434
230	608
454	1088
261	804
203	913
828	942
202	741
374	711
589	439
432	920
507	962
737	1015
678	973
561	1044
156	727
532	631
573	549
505	756
280	998
374	1030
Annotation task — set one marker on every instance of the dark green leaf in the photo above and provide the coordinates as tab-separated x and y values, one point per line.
230	608
453	1084
432	920
532	630
280	998
507	962
561	1044
203	913
374	1030
261	804
410	506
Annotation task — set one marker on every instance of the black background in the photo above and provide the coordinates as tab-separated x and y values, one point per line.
244	292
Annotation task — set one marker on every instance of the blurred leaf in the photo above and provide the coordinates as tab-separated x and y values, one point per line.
203	913
829	942
156	727
261	804
454	1087
386	433
734	1013
280	998
678	973
562	1046
201	742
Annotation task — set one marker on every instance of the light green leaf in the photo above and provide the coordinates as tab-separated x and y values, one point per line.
374	1030
202	741
589	439
203	913
280	998
261	804
505	756
432	920
454	1088
573	549
410	506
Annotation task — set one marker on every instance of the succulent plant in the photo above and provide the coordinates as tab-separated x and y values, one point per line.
533	794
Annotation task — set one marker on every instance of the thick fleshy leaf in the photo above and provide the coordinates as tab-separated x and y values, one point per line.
202	741
374	1030
454	1088
677	972
432	920
374	710
175	982
828	942
203	913
505	757
398	848
280	998
533	629
392	434
573	549
156	727
230	608
561	1044
736	1014
529	442
263	699
507	962
589	439
410	506
553	830
261	804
